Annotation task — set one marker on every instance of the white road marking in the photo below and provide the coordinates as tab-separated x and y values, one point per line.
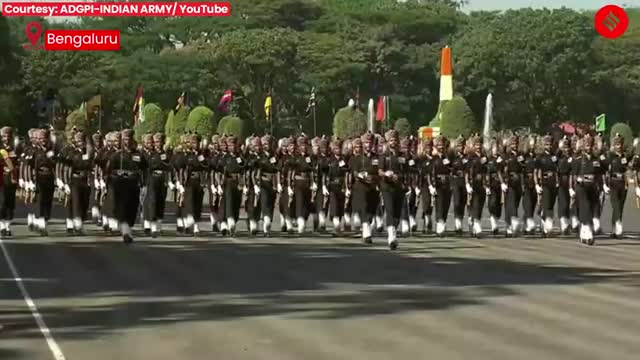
53	345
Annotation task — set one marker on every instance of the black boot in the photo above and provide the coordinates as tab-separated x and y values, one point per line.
127	239
147	232
393	245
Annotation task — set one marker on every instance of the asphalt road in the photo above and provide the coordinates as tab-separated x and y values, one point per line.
318	297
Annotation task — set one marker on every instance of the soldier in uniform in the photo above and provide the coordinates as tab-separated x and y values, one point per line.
337	185
425	181
77	166
215	188
43	165
352	216
158	167
476	183
616	182
410	186
392	170
191	165
379	150
10	153
127	166
146	150
109	205
546	182
267	181
440	183
529	194
25	181
364	168
347	155
252	174
285	187
585	187
458	169
512	184
321	201
233	184
302	175
96	175
564	167
64	188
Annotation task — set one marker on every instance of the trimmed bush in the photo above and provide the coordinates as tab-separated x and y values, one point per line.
200	121
176	125
454	118
349	122
403	127
153	121
232	125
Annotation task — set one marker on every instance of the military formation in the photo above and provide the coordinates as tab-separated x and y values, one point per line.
374	184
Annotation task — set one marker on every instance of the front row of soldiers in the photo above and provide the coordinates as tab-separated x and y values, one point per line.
367	183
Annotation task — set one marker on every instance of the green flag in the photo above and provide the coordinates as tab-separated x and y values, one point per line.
601	123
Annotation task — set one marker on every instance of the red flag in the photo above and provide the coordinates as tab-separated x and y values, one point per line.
381	108
226	98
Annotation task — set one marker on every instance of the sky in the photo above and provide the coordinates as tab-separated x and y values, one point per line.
574	4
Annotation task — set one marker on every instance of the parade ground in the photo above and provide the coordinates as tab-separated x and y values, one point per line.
318	297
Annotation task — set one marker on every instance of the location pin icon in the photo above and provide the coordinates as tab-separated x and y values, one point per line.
32	35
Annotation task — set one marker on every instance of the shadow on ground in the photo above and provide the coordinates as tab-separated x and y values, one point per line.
88	288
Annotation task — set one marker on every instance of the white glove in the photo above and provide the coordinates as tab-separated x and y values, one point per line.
417	190
279	188
67	189
96	184
31	186
325	191
256	189
539	189
432	190
606	188
504	187
180	188
21	183
362	175
469	189
572	193
103	184
638	191
220	190
171	185
59	183
314	187
488	190
388	173
214	189
245	190
290	191
347	193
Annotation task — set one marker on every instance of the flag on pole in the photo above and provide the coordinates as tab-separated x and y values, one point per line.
601	123
371	115
446	75
83	109
382	111
138	106
183	101
93	105
267	107
312	101
225	100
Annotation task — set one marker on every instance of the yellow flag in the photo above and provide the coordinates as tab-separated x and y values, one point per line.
267	107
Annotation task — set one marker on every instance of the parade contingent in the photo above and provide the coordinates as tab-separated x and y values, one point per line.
373	184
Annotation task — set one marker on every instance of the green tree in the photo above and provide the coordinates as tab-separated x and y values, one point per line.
349	122
200	121
176	125
403	127
232	125
625	131
76	119
154	121
454	118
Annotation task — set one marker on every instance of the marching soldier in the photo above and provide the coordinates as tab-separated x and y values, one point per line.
233	181
43	165
586	168
158	161
616	182
191	165
302	175
425	180
564	168
146	150
109	203
529	193
127	167
97	189
215	188
285	187
26	180
410	186
440	188
252	174
458	169
476	183
77	165
512	184
378	221
364	168
393	172
10	153
337	185
347	154
547	183
63	187
321	201
267	177
353	221
495	198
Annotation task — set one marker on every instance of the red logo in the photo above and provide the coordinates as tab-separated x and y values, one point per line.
611	21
